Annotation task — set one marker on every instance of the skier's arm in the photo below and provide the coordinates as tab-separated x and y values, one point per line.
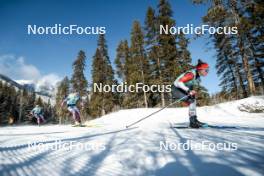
63	102
181	82
32	111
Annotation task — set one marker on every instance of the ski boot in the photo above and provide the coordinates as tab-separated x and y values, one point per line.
202	124
194	123
77	124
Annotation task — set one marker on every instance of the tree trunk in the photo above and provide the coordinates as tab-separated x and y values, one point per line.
251	84
103	107
234	81
162	97
145	100
257	64
145	94
241	85
102	112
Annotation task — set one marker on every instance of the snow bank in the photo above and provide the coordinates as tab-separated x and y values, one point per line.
224	113
254	105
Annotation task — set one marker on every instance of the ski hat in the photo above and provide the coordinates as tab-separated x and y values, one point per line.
201	65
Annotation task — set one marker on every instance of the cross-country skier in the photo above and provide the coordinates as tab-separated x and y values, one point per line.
37	112
71	101
183	86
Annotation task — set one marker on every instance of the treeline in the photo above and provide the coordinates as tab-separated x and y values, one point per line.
148	57
240	57
15	105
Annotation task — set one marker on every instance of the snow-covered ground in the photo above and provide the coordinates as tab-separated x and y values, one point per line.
148	148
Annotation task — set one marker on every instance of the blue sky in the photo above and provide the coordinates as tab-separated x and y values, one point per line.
54	54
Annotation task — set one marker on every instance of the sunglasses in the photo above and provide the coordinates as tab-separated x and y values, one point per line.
206	70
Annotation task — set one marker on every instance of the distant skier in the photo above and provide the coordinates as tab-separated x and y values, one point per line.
71	101
37	112
184	85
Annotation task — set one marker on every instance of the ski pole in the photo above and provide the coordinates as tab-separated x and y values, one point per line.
156	111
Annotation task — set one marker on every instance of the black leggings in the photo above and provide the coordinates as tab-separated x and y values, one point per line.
178	93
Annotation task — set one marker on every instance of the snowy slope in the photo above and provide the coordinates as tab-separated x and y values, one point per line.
221	114
115	150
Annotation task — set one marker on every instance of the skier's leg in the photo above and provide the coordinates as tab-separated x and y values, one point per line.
38	119
42	118
194	123
192	107
72	111
177	93
77	115
192	113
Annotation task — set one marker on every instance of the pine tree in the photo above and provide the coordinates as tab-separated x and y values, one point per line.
255	11
27	103
152	50
109	97
168	55
167	43
97	98
39	102
62	91
244	51
102	72
242	40
139	65
151	29
79	82
8	104
183	52
49	111
122	62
